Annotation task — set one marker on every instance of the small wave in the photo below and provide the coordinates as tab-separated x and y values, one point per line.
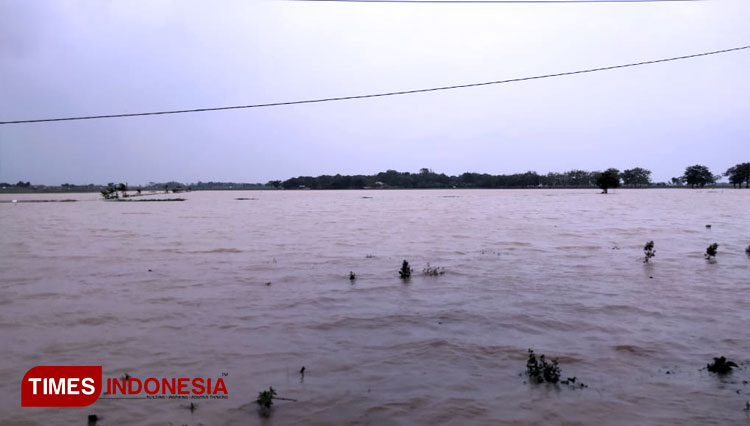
635	350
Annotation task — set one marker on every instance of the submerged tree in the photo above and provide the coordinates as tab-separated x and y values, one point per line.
609	178
721	365
540	371
698	175
110	192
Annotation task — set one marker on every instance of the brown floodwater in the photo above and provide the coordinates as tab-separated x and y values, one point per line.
558	271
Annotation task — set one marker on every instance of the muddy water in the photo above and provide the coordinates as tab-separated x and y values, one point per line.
556	271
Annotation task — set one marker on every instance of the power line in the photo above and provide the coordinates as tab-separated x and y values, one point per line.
494	1
378	95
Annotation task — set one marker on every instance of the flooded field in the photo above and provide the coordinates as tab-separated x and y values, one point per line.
181	289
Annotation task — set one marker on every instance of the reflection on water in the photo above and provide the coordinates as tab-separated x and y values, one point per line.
179	289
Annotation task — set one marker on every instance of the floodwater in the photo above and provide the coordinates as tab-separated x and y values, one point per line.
179	290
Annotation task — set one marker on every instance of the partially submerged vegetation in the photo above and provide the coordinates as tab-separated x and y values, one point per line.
265	398
648	251
433	271
539	370
113	192
405	271
711	251
721	366
609	178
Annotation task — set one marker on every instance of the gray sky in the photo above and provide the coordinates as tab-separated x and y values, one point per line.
68	58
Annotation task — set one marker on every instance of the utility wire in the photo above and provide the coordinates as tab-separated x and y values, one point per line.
379	95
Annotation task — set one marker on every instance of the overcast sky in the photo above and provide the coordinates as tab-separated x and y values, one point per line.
69	58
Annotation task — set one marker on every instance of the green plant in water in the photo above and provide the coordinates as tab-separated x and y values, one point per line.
405	271
540	371
433	272
711	251
648	251
265	398
721	366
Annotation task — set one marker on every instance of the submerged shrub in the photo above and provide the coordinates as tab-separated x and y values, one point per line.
433	272
721	366
265	398
747	251
352	276
648	251
405	271
265	401
711	251
541	371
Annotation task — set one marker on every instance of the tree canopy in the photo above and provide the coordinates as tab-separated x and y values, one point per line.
609	178
698	175
739	174
636	177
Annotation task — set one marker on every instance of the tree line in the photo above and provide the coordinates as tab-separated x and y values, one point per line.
694	176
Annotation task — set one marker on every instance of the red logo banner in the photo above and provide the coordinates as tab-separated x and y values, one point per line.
61	386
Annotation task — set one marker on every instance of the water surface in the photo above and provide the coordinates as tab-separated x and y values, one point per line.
559	271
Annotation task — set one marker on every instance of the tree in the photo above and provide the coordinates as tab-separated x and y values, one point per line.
636	177
123	187
739	174
110	192
275	183
609	178
697	175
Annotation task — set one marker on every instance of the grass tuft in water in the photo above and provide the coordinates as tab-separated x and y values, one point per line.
405	271
648	251
711	251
